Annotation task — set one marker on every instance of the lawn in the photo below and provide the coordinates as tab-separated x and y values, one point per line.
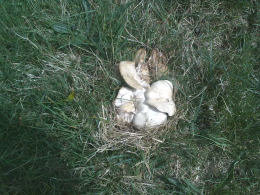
59	76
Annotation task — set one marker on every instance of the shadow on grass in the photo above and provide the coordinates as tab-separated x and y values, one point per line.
31	161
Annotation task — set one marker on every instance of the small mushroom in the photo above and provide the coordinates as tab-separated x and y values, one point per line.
140	56
157	64
142	67
159	96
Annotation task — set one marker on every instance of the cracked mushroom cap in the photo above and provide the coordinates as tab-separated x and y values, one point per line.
159	96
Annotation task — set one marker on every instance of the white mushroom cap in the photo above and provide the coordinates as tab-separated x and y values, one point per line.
124	103
125	95
148	118
128	72
159	96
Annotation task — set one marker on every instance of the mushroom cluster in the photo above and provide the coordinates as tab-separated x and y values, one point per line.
145	106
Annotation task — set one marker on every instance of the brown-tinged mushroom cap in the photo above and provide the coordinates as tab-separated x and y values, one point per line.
142	67
140	56
157	64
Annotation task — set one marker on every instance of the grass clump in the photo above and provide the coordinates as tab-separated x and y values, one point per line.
59	76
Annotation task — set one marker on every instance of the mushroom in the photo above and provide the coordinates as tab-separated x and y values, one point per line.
125	105
142	67
159	96
128	71
148	118
144	106
157	64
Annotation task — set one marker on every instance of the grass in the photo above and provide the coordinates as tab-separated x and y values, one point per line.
59	76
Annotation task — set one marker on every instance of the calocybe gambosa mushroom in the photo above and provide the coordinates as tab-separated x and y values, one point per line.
144	106
159	95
